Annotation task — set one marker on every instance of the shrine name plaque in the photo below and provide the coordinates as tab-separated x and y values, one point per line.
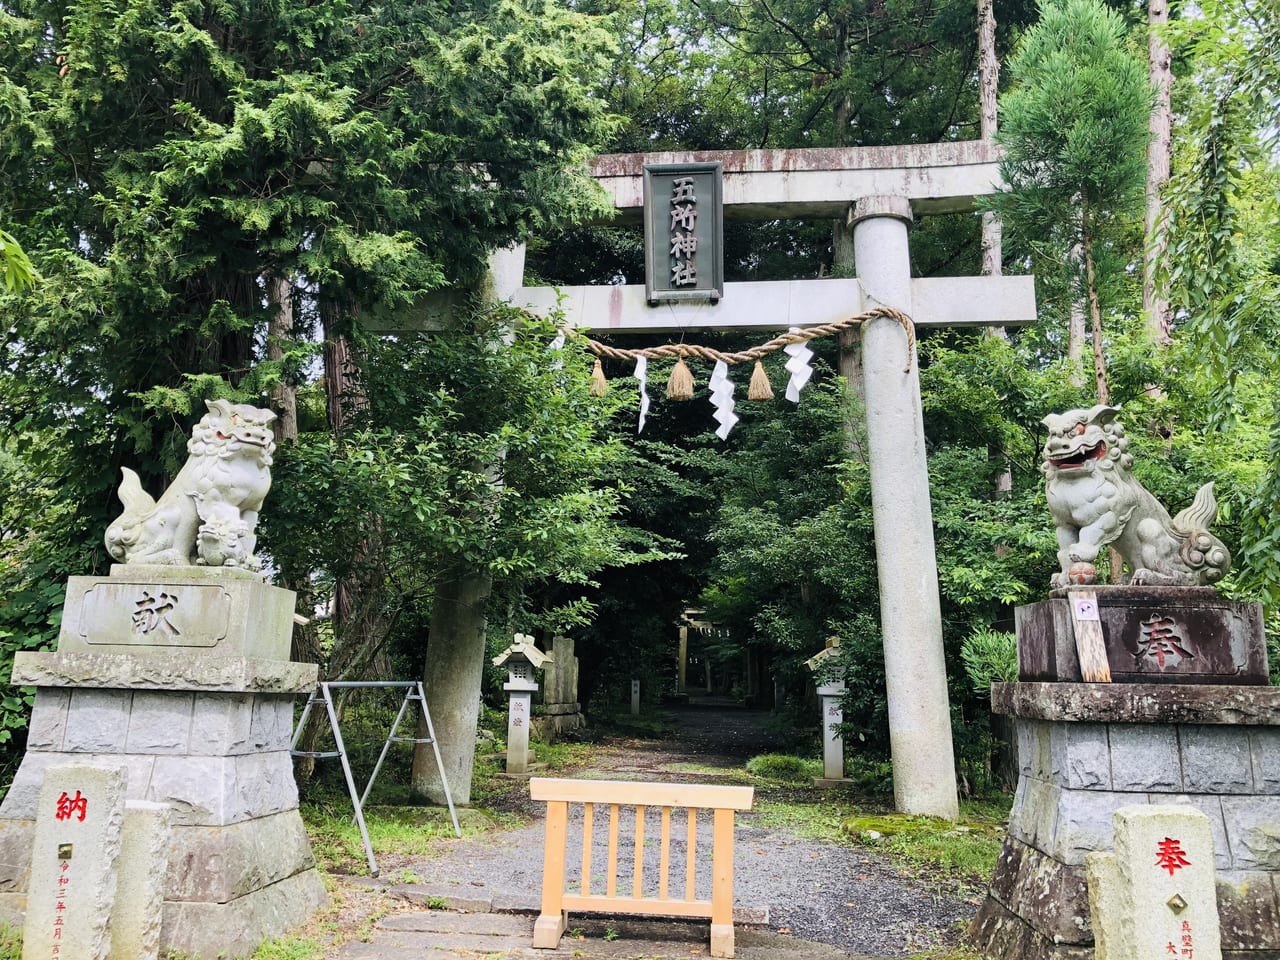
683	232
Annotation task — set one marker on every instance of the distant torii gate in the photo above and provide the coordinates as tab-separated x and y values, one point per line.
878	190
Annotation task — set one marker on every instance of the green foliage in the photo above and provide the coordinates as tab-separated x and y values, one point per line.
10	942
16	265
784	767
163	165
990	656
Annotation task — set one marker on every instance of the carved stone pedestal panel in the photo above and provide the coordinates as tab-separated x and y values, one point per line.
1152	635
167	678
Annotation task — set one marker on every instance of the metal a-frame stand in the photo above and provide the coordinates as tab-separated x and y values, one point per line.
413	692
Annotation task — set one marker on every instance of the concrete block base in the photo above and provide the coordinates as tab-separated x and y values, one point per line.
238	928
1084	751
239	863
831	783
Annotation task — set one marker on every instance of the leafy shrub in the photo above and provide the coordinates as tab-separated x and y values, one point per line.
989	656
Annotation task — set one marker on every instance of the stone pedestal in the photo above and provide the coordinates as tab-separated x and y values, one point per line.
831	695
1151	634
203	729
1086	750
561	711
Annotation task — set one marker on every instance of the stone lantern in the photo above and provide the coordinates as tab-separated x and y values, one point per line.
830	695
521	658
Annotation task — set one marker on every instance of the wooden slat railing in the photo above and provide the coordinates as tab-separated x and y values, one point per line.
557	902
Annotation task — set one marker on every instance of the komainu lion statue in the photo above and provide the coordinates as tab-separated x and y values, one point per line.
209	513
1096	502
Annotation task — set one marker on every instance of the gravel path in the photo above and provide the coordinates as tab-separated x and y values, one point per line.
847	897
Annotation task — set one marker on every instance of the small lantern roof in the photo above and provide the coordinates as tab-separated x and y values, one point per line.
524	647
833	647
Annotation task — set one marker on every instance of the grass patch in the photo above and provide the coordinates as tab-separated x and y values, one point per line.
563	755
964	851
784	767
409	831
10	942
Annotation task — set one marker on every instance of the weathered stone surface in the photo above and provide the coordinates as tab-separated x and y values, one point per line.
1080	756
221	864
101	722
162	671
237	928
222	723
214	791
135	920
21	801
73	866
1253	830
1145	757
1085	822
1264	752
1248	912
1216	759
16	837
272	722
48	719
129	613
1048	895
1037	814
1222	639
1000	935
1138	703
159	722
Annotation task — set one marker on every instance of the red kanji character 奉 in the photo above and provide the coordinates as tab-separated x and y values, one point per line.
1171	856
70	806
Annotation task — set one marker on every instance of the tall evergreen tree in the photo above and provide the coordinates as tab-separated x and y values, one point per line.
1074	130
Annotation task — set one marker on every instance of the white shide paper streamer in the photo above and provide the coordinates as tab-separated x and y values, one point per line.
642	374
722	399
798	367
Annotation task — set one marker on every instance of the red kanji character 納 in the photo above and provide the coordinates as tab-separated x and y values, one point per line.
70	806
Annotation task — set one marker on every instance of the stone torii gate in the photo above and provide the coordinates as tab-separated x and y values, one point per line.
879	190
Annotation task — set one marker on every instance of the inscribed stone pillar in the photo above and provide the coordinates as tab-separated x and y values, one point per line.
1155	897
635	698
924	779
830	695
520	687
73	863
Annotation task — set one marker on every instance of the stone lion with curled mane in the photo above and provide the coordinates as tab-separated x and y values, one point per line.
209	513
1096	501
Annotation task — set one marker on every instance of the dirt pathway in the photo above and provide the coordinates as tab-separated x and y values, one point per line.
789	890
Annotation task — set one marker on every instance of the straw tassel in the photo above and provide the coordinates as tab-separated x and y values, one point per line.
599	385
760	388
680	386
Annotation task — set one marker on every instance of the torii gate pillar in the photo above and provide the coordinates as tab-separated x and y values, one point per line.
924	780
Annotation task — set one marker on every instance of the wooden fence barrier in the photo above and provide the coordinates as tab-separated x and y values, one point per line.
557	902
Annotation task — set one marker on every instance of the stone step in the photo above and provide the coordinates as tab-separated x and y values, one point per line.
434	921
